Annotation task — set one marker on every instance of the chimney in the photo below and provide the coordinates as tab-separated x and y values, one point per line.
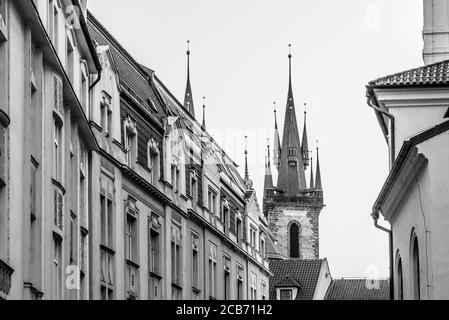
436	31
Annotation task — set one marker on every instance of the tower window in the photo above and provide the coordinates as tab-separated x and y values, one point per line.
294	233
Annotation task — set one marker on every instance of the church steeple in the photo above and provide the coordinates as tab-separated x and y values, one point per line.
268	184
318	184
291	177
305	142
188	99
277	142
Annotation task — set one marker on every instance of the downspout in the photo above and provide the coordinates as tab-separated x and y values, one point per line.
390	240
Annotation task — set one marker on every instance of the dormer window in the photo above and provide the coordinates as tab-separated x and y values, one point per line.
286	294
130	131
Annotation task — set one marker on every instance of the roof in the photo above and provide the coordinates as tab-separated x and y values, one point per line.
305	273
134	80
358	289
432	74
288	282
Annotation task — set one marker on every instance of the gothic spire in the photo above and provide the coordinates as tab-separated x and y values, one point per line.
291	179
268	184
318	184
247	180
305	142
312	182
203	126
277	142
188	99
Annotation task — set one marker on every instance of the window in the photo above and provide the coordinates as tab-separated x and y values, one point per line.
416	278
240	277
130	127
153	160
195	262
84	88
263	290
57	269
131	231
212	270
286	294
175	177
35	224
106	114
73	238
83	265
400	280
82	186
252	237
225	213
56	25
176	254
262	248
194	186
107	210
253	286
239	228
69	60
58	209
227	278
294	232
212	201
154	258
57	150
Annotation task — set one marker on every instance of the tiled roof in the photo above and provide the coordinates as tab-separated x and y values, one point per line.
358	289
134	80
433	74
288	282
305	272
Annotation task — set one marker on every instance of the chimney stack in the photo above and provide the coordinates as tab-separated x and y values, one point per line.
436	31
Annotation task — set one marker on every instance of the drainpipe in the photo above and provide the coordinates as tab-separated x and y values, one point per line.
390	239
391	143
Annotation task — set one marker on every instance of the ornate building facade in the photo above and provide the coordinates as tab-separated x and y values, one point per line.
109	186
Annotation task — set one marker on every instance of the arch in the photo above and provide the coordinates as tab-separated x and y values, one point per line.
294	240
399	277
415	267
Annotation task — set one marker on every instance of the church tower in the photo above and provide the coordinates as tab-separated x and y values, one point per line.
292	207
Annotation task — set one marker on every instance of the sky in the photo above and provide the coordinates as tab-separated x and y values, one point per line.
239	63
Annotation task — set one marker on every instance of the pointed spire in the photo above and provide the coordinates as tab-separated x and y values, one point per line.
268	184
318	184
277	142
203	126
188	99
247	180
291	101
292	178
305	142
312	181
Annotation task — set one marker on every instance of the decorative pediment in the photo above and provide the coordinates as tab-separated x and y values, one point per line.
131	207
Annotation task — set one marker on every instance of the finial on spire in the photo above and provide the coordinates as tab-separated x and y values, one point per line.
312	181
305	107
318	183
269	153
188	47
275	116
305	141
289	50
203	126
248	182
188	99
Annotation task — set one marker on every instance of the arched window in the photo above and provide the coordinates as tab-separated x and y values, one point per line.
416	285
400	279
294	234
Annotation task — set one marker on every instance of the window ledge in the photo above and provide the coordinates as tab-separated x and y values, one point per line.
176	286
196	290
132	264
155	275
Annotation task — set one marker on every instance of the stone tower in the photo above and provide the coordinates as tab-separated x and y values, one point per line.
293	208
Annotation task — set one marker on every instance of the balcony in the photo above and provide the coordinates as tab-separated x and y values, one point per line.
5	279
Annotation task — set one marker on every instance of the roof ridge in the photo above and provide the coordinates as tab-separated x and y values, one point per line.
116	43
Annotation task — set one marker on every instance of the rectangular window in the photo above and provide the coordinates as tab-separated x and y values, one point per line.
286	294
194	188
239	230
107	210
131	238
264	290
212	270
106	114
195	261
57	269
58	209
70	61
153	164
212	201
253	286
240	277
154	258
227	278
83	265
176	255
82	212
262	248
84	89
57	150
73	238
253	234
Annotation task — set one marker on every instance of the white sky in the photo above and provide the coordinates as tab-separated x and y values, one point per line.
239	62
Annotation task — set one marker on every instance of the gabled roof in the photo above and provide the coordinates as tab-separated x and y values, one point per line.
288	282
304	272
432	74
358	289
134	80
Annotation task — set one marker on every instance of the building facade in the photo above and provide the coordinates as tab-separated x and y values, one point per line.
109	187
412	110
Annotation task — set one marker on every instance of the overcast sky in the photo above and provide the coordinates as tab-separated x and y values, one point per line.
239	62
